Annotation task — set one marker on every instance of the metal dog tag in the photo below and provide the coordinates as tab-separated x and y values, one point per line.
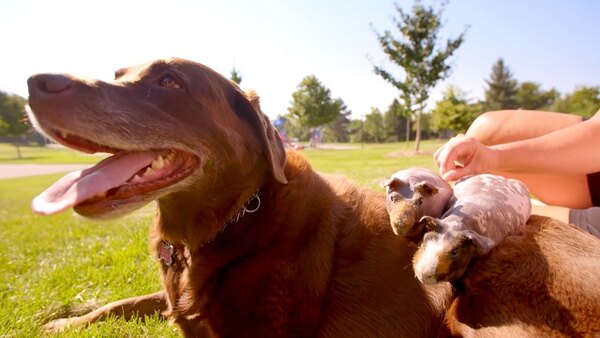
165	252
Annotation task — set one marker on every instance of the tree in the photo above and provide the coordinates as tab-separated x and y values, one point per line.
529	95
373	127
295	130
418	54
453	112
337	130
501	88
584	101
394	121
312	104
356	130
235	76
12	119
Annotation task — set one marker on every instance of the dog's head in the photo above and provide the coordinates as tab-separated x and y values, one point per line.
171	125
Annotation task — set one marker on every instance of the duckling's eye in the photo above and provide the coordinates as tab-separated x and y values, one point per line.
169	82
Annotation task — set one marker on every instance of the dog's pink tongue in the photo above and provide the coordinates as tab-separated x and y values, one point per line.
78	186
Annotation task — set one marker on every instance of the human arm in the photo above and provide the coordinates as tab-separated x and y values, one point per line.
572	150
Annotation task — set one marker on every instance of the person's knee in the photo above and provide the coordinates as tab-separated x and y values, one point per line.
488	127
586	219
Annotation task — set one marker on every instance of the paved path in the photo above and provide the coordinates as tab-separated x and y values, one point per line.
20	170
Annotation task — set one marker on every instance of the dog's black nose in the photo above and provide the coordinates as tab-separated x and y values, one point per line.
48	84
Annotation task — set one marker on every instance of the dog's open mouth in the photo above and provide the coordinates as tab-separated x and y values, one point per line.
123	178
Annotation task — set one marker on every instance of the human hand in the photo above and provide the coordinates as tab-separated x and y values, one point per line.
464	155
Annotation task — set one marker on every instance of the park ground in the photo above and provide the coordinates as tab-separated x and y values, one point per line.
61	265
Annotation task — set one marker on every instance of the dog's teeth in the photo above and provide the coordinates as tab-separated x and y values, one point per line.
159	163
64	134
148	171
136	179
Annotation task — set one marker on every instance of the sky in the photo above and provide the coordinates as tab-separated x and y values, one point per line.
274	44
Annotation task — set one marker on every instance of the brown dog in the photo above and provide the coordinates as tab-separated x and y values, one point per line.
543	280
251	242
256	245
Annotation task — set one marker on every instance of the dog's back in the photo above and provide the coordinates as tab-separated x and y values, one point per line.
370	258
369	288
541	281
252	243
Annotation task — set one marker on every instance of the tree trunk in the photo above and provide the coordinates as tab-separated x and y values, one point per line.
16	144
418	127
19	156
407	130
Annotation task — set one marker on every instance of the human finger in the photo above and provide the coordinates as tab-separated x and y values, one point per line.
456	173
456	150
444	148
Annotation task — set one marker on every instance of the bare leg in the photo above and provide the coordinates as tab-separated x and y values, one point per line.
559	213
140	306
513	125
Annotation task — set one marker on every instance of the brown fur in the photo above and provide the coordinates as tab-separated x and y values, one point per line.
128	308
320	273
453	260
541	282
454	251
318	257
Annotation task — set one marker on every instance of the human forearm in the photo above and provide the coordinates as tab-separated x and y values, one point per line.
572	151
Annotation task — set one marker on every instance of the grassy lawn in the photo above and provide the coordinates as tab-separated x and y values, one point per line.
43	155
369	165
51	265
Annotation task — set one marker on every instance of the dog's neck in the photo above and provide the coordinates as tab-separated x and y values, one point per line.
166	250
202	216
251	206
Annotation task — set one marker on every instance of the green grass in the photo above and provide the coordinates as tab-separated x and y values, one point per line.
52	265
43	155
373	163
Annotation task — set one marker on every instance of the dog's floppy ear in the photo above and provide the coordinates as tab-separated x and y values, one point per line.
272	146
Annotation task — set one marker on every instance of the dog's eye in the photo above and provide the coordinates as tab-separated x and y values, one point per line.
169	82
